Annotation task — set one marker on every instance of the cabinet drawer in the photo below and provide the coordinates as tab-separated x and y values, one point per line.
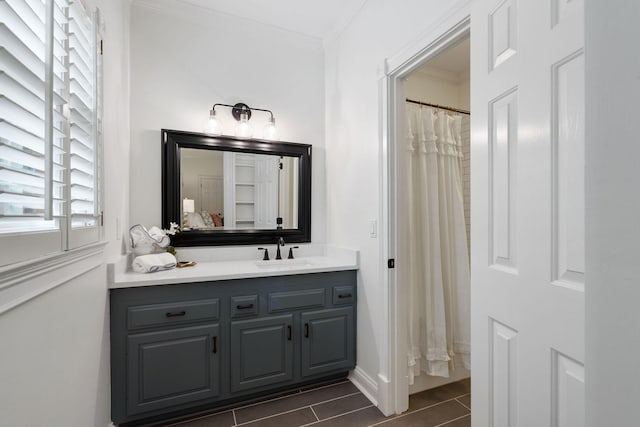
143	316
280	301
343	295
243	306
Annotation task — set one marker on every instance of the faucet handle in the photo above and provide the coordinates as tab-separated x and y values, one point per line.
266	253
291	251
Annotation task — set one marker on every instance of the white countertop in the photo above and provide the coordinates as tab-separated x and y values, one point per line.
215	264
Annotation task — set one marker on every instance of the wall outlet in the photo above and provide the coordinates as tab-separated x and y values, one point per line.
373	228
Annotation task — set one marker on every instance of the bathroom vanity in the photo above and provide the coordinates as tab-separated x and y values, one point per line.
232	328
190	340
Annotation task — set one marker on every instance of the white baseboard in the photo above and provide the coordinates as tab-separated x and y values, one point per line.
365	384
378	392
386	402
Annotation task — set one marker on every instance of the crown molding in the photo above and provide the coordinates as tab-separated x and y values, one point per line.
159	5
187	8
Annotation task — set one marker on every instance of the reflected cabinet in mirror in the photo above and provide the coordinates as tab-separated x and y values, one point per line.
232	191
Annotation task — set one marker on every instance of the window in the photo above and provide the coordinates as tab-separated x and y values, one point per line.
49	128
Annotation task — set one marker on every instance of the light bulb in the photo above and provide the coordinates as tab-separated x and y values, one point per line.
270	132
214	125
243	128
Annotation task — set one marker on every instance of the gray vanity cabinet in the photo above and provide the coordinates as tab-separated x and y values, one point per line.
262	352
183	348
327	343
174	366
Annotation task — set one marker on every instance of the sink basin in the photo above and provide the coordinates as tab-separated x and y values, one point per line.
283	264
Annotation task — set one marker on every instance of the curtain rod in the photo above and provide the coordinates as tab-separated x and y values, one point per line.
442	107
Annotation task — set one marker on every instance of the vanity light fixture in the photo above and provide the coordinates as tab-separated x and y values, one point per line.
270	132
242	113
215	126
243	128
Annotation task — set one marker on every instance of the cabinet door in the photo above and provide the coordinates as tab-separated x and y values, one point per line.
172	367
262	352
328	341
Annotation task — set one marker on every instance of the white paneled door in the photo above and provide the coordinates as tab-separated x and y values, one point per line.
527	167
211	194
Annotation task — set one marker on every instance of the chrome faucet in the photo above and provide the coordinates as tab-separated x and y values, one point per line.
279	242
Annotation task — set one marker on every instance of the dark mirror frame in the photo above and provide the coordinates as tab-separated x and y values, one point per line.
174	140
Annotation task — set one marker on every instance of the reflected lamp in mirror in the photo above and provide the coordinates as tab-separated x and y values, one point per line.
242	114
188	207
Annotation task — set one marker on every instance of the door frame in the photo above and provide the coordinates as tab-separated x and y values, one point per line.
392	384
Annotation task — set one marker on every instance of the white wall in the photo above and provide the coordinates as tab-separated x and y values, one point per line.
354	61
185	59
116	130
54	357
54	362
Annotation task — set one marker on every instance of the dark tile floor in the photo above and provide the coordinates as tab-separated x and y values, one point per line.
343	405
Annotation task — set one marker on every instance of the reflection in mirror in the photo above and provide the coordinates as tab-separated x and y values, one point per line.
224	190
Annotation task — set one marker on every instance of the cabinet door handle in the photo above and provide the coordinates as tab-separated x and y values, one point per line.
306	330
176	314
344	295
289	332
244	306
214	344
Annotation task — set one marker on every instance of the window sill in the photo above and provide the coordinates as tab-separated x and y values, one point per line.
21	282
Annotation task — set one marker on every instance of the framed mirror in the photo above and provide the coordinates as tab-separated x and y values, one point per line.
223	190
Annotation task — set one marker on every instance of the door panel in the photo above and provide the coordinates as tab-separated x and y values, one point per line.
527	173
568	172
503	113
172	367
266	189
211	193
262	352
327	341
503	374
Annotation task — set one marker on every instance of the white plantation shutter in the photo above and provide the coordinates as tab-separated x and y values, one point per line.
84	214
22	116
58	101
45	69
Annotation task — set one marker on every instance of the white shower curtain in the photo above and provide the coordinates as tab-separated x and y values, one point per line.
438	256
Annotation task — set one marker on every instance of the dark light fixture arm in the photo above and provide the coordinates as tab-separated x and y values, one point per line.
239	108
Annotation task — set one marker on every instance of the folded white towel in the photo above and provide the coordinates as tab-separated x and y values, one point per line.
159	236
153	262
145	241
